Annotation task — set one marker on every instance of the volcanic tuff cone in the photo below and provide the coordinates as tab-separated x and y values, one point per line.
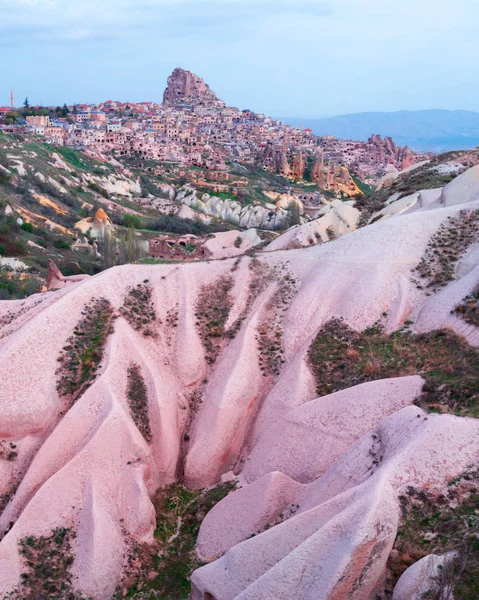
186	87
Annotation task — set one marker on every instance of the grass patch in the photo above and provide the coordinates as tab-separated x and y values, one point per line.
138	308
468	309
151	260
341	358
179	514
138	401
212	310
47	563
77	159
437	522
453	238
15	285
83	352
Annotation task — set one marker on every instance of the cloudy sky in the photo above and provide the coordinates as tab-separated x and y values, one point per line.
282	57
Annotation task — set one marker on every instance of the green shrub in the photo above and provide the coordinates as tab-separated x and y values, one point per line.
131	221
28	227
5	177
98	189
61	244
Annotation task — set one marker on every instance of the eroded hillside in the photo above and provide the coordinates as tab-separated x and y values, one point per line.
275	416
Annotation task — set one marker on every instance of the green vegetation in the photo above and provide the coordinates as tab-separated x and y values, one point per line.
179	513
120	248
14	286
131	221
436	523
47	564
179	226
149	186
5	177
80	161
138	308
137	393
83	352
363	186
212	310
341	358
28	227
98	189
445	248
61	244
151	260
222	195
468	309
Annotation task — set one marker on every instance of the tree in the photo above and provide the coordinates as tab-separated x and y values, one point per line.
26	103
65	111
294	213
119	249
11	117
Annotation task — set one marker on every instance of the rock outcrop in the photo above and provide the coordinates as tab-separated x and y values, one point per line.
332	221
56	280
252	216
185	87
385	151
333	177
96	225
292	164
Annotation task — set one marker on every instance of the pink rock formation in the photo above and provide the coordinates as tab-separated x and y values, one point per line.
55	279
333	177
384	150
187	88
336	544
298	166
321	477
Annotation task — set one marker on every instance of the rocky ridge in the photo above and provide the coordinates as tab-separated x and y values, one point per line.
184	87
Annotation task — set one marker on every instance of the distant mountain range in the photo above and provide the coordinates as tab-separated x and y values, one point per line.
422	130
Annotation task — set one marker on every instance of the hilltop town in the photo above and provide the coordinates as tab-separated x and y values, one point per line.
196	136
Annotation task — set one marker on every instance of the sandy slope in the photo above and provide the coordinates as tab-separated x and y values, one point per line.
89	468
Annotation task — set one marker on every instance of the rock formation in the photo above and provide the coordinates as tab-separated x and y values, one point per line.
332	221
292	163
185	87
96	225
262	216
384	150
298	166
333	177
56	280
370	160
225	382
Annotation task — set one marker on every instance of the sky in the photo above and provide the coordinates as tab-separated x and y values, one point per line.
280	57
